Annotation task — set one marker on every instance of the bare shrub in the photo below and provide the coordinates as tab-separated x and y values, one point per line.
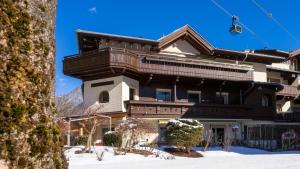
133	129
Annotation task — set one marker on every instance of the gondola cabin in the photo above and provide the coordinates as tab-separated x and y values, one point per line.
235	29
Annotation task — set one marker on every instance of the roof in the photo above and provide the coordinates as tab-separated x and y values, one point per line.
188	33
295	53
249	56
275	52
274	85
282	70
117	37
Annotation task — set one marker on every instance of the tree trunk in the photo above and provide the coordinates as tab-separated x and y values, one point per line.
90	137
208	141
188	150
29	136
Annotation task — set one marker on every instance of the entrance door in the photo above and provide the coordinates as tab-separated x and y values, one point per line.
218	136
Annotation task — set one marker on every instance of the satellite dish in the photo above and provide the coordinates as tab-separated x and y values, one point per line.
235	28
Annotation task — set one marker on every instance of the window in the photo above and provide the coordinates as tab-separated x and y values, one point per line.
131	94
162	133
274	80
194	96
104	97
163	94
222	97
265	101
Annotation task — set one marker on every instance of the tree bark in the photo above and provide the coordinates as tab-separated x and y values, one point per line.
29	136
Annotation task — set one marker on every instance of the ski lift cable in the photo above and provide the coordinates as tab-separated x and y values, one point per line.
275	20
245	26
230	14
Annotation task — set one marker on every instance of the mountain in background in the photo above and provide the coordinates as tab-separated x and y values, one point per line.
70	104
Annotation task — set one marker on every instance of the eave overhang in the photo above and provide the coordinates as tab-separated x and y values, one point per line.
295	53
189	34
282	70
274	52
273	85
90	38
247	56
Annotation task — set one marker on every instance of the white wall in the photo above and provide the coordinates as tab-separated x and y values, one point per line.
260	72
180	48
128	83
118	93
285	105
281	65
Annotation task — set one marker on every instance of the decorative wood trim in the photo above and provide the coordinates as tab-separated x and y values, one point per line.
295	53
191	36
102	83
152	109
96	63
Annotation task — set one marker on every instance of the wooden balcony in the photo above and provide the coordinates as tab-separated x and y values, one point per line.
291	91
99	62
287	117
169	65
296	108
105	60
149	109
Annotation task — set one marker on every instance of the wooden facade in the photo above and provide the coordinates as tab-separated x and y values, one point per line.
148	109
107	60
103	55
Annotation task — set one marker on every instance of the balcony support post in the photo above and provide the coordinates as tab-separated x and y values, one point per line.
175	89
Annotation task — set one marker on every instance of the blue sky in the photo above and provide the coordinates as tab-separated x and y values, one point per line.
155	18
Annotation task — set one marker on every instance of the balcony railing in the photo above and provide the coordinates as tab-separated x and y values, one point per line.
93	62
153	109
289	91
287	117
195	68
296	108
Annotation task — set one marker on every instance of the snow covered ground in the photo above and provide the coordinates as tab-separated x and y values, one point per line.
215	158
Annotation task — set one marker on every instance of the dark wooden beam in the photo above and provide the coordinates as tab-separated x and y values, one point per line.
175	88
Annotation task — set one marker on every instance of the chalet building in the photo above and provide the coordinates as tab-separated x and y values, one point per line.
248	96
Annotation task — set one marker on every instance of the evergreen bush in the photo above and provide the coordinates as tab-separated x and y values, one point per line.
81	140
112	139
184	133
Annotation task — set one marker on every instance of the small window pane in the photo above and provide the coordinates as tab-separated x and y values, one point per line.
104	97
274	80
163	95
193	98
131	94
265	101
222	98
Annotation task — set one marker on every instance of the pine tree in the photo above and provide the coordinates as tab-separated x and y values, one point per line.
184	133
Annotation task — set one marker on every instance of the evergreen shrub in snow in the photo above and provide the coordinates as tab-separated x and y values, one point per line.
184	133
112	139
81	140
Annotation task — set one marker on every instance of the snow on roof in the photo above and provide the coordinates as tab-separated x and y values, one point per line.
190	123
